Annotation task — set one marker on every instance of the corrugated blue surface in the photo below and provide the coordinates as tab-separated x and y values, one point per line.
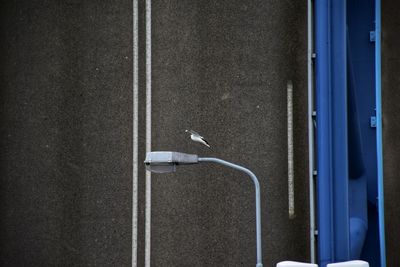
347	97
332	163
322	74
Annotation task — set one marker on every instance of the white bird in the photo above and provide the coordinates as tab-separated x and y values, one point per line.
197	137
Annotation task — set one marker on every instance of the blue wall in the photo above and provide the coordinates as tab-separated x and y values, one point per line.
346	131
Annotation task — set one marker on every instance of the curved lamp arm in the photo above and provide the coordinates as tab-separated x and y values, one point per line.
257	191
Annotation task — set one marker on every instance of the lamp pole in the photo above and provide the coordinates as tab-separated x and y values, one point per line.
166	161
258	204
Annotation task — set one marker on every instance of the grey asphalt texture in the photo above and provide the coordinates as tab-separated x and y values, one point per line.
219	68
65	133
391	126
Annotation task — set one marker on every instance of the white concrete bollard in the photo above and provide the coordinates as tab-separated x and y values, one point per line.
349	264
295	264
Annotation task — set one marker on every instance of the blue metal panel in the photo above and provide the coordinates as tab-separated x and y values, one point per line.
324	194
349	142
340	138
360	22
357	169
379	131
332	144
364	38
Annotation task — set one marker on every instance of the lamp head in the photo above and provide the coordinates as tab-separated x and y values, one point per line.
166	161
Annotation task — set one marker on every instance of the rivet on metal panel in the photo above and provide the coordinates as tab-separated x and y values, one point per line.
373	122
372	36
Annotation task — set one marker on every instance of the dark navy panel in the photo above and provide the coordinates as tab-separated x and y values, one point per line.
361	27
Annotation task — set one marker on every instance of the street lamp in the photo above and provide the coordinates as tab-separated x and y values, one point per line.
166	161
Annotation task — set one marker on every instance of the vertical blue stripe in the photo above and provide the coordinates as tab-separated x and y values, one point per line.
340	175
324	199
332	160
379	131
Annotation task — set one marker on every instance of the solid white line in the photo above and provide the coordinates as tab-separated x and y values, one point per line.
290	149
148	133
135	135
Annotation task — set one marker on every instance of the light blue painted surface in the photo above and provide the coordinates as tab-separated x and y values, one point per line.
379	131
